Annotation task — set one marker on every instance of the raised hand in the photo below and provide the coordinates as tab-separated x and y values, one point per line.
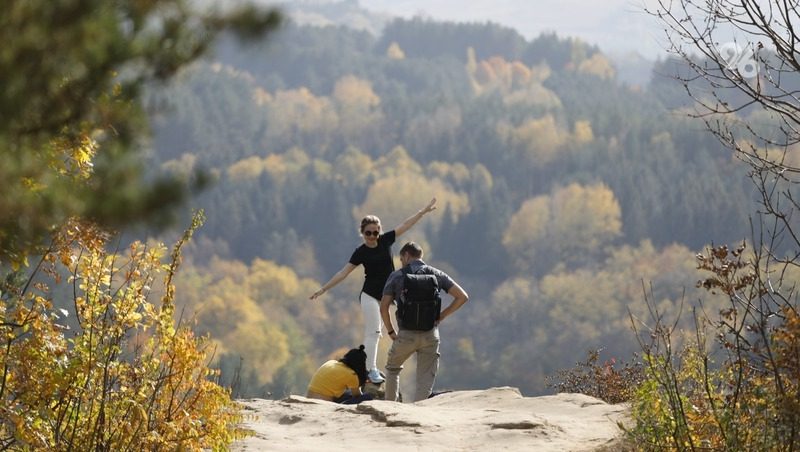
430	207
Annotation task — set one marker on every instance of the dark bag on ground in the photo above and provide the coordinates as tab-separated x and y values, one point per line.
420	303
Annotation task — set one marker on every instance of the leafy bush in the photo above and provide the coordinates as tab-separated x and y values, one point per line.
122	375
750	399
611	381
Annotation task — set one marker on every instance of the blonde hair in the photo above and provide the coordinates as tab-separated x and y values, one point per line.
369	219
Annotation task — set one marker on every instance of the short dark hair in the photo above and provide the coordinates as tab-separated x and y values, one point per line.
413	250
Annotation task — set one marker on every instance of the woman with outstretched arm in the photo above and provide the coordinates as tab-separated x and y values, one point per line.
375	254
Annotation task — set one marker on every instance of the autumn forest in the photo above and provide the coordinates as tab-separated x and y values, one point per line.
181	176
563	193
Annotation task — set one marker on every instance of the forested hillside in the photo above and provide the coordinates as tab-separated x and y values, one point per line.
562	192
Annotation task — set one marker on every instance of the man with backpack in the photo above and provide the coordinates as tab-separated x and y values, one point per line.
416	288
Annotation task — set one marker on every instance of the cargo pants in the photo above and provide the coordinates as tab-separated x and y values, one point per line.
426	345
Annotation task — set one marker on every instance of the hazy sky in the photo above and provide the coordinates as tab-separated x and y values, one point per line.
615	25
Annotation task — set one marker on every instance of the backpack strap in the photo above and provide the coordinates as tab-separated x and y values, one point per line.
424	269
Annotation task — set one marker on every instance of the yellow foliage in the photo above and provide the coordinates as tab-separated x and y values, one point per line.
72	156
228	310
252	312
235	271
597	65
482	178
126	376
503	74
294	160
299	111
357	104
571	221
233	72
529	224
355	92
519	84
513	295
520	74
394	52
396	163
184	166
754	389
353	166
262	345
247	168
583	306
484	73
279	166
272	281
497	73
261	96
589	216
582	132
394	198
572	299
457	172
537	140
534	95
215	314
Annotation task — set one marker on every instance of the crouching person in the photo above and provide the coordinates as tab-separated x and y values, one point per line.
416	288
340	380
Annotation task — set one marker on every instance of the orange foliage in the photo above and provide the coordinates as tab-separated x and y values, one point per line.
126	377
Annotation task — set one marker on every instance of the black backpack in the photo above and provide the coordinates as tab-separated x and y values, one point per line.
420	303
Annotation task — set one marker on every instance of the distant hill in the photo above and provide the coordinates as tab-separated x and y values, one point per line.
632	66
346	13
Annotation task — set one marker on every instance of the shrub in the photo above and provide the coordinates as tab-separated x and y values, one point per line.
747	401
117	374
611	381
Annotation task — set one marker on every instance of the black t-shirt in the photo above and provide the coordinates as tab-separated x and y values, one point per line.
378	264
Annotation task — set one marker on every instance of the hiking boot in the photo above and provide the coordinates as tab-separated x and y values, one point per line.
375	376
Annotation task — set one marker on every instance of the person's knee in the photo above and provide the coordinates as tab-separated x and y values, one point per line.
393	370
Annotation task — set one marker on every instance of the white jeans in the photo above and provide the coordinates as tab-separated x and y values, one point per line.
371	309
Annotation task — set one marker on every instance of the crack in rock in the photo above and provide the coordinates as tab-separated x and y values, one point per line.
379	416
301	400
521	425
397	423
585	404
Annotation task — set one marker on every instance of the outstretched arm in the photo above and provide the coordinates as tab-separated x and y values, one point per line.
335	279
459	298
412	220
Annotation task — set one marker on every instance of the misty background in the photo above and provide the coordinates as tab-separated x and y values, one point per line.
568	175
628	35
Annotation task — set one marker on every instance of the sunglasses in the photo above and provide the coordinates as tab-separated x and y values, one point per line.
371	233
